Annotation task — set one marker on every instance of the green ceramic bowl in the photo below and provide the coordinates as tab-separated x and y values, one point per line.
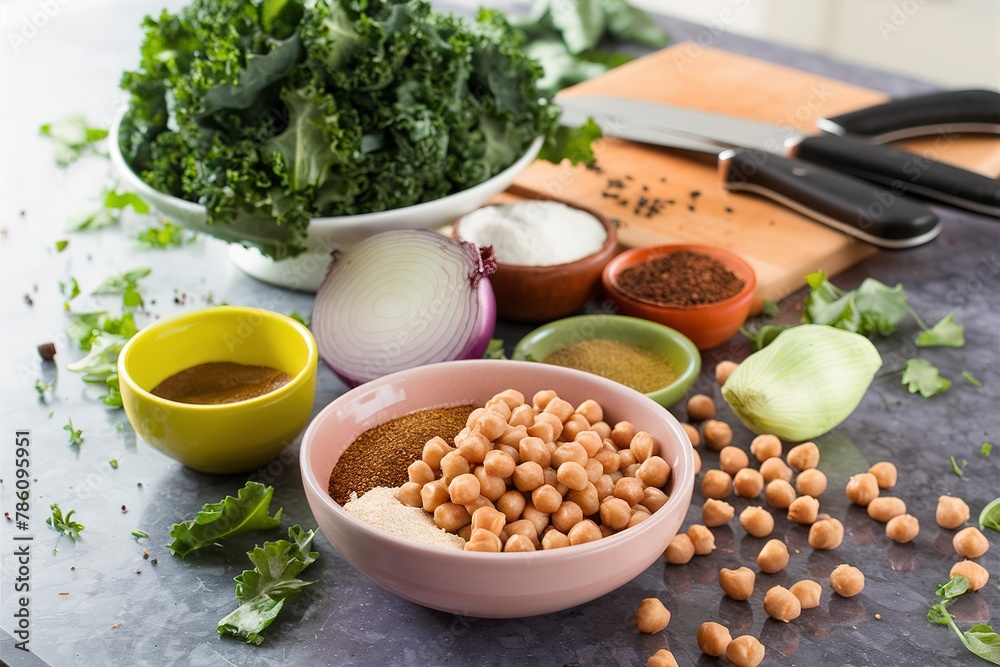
672	345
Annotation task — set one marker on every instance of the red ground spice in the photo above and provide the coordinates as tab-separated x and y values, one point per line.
680	279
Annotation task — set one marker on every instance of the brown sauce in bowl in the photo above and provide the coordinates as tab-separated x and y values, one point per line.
221	382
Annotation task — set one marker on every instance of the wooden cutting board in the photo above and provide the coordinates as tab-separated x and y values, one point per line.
660	197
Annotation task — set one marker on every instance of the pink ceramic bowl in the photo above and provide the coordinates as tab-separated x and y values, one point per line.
491	585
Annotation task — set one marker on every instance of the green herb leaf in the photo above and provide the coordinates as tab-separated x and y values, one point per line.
956	586
979	639
114	397
495	350
108	210
769	309
763	336
263	590
299	317
168	235
121	283
630	24
75	434
972	380
989	517
919	375
946	333
228	518
113	463
61	245
69	289
43	389
986	449
137	534
872	308
72	138
64	524
571	143
955	467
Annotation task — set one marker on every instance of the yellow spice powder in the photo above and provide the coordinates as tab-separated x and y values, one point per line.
631	365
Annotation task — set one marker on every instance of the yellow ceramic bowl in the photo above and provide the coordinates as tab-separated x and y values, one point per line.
230	437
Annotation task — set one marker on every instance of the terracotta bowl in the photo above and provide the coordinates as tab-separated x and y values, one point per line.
542	293
706	325
493	585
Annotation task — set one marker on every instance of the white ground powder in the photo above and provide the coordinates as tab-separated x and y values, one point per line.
534	233
380	508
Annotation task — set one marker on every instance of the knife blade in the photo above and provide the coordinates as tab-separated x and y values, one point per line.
903	172
842	202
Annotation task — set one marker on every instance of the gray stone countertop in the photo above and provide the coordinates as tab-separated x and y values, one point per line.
100	602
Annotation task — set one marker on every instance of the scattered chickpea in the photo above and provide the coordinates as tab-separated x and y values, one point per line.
723	370
847	580
826	534
811	482
692	434
779	494
885	473
951	512
716	484
970	543
702	538
662	658
884	508
748	483
733	459
902	528
757	521
651	616
700	407
765	446
803	509
745	651
973	571
713	638
774	468
717	434
808	592
862	489
781	604
715	513
804	456
773	557
680	550
737	584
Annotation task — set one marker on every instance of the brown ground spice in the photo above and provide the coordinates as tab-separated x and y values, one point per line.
381	455
682	278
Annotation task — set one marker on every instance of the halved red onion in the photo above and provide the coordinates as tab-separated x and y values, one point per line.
403	299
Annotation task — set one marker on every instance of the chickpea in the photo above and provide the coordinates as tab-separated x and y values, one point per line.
662	658
847	580
700	407
511	438
748	483
608	457
433	495
591	411
651	616
537	517
808	592
523	527
737	584
483	540
811	482
862	489
902	528
575	426
498	464
692	433
585	531
622	434
464	489
625	459
409	494
717	434
643	446
653	472
716	513
551	420
528	476
541	430
884	508
632	470
779	494
765	446
542	398
615	513
639	514
573	475
434	450
781	604
826	534
453	464
471	421
605	487
561	408
697	461
757	521
885	474
586	499
774	468
492	424
490	519
680	550
803	509
970	542
973	571
733	459
569	451
716	484
745	651
773	557
590	441
512	397
553	539
465	532
951	512
534	449
702	538
451	517
522	415
723	370
480	501
511	504
653	498
629	489
567	515
713	638
804	456
546	499
518	544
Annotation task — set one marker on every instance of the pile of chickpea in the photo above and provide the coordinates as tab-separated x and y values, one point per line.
540	475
